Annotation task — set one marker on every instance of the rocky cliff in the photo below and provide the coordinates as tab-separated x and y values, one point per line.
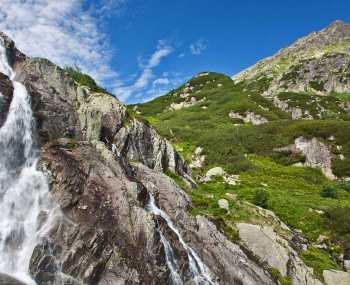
104	167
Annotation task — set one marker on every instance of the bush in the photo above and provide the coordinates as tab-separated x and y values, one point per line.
329	192
261	198
337	219
83	79
345	185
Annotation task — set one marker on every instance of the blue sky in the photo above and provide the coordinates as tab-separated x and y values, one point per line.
140	49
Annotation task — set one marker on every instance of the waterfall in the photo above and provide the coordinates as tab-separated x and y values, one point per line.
201	274
24	199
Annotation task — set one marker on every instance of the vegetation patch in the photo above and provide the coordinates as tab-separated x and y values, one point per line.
319	260
83	79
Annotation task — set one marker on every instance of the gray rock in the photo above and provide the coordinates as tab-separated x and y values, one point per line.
8	280
223	204
317	154
269	247
335	277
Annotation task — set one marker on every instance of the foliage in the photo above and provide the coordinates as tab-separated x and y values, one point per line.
276	275
329	192
83	79
319	260
337	220
261	198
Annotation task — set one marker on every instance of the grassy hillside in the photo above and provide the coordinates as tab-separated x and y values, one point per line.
267	178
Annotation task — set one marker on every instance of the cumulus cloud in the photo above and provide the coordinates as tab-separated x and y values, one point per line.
198	47
66	32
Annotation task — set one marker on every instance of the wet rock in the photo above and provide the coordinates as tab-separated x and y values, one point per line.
104	232
225	259
6	92
8	280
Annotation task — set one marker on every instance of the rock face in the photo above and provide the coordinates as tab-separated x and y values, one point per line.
95	192
5	97
334	277
271	248
316	153
7	280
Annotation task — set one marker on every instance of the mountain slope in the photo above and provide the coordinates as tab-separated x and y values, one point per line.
277	135
116	214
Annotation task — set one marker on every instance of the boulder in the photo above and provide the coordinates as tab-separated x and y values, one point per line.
223	204
335	277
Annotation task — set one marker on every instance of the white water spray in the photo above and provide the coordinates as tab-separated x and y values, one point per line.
200	272
24	190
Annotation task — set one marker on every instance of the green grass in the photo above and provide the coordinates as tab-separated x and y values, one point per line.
319	260
83	79
293	193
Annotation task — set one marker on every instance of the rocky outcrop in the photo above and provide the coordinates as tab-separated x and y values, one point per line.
105	236
335	277
188	102
249	117
273	249
62	109
296	112
316	153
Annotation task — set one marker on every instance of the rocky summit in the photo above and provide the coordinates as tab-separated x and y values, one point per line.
242	180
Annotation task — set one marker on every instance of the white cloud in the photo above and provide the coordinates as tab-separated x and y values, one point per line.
143	81
161	81
70	32
198	47
62	31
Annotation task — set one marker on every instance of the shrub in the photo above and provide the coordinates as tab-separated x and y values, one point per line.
261	198
329	192
337	219
345	185
83	79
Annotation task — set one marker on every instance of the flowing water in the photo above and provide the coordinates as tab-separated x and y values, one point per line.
201	274
24	199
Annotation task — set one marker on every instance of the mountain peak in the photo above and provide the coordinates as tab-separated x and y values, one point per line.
339	29
334	38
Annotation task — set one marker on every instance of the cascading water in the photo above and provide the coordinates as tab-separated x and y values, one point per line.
24	190
201	274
